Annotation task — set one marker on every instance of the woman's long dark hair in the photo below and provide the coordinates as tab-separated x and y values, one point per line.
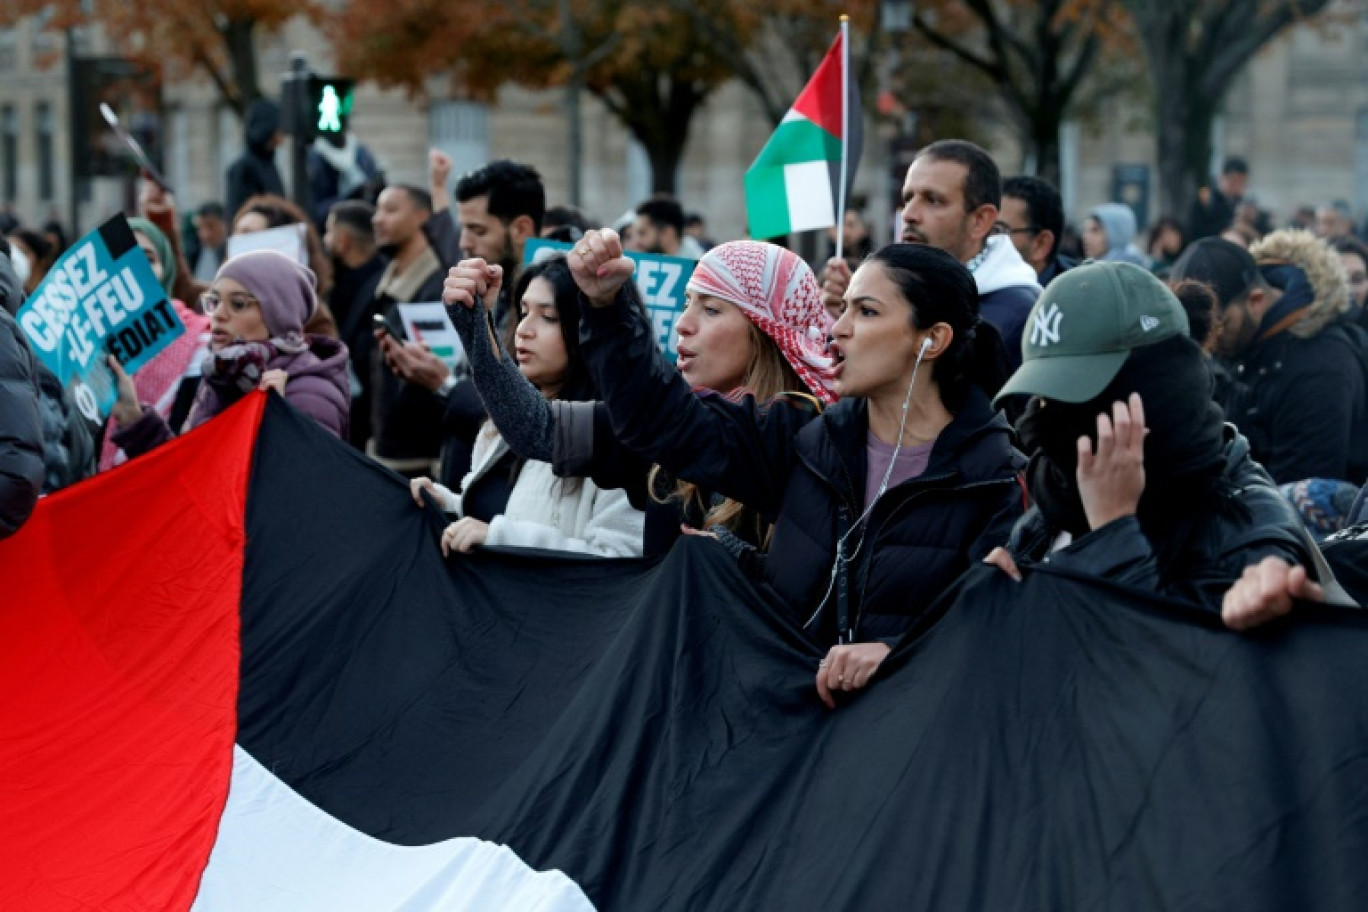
941	290
578	386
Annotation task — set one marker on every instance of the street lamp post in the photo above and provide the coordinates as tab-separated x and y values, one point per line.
73	170
294	98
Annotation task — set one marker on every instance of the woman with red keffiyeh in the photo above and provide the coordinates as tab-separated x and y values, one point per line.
777	296
878	503
754	324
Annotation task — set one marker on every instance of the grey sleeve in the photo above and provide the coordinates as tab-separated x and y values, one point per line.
517	408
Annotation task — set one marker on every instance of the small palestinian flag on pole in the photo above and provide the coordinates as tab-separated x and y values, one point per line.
800	179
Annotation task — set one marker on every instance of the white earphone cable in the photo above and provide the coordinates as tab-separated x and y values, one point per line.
883	487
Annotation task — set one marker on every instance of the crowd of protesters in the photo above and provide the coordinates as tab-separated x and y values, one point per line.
1186	414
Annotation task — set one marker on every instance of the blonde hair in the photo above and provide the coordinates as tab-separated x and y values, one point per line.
769	373
769	376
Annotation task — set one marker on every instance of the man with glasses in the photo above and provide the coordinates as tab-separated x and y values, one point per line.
1033	217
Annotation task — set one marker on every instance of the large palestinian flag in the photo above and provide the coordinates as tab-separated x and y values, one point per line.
794	184
237	674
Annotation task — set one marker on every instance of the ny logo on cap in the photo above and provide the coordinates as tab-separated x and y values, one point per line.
1045	328
1148	323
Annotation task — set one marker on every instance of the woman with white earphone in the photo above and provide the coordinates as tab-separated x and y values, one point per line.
879	502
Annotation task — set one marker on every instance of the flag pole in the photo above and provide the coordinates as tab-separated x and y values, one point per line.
845	136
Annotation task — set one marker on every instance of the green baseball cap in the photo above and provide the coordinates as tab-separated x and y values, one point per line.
1085	324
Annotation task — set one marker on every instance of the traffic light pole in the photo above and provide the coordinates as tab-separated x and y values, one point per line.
300	136
73	112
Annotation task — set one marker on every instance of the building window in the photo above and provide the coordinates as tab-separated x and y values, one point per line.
9	148
45	42
45	156
638	172
9	50
461	130
178	156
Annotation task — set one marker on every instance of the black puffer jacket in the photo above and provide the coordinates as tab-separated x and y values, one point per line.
21	428
68	446
1304	406
68	441
1195	559
807	475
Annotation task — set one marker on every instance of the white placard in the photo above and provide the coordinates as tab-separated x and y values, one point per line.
429	324
287	239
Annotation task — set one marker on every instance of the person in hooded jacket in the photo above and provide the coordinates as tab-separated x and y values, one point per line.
257	309
1295	377
1134	474
1109	234
254	172
879	502
1302	391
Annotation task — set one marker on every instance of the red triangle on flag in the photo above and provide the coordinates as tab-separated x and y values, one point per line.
820	101
119	660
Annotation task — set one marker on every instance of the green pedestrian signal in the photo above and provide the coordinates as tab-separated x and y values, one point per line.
330	104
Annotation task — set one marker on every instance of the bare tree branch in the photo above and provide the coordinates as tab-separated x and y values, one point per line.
946	43
1000	38
1222	67
1081	65
226	89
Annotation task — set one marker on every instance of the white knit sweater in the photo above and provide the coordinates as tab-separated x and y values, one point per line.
557	514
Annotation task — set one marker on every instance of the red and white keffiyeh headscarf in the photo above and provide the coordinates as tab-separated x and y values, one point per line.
779	293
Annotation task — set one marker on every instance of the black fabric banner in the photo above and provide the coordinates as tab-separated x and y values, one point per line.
1348	559
654	732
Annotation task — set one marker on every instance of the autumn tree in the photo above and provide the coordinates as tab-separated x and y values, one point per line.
178	38
781	43
652	64
1038	56
1196	48
659	76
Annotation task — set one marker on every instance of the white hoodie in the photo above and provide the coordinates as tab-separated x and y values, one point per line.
1007	289
554	514
1003	268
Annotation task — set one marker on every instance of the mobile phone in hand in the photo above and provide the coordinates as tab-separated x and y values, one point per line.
387	324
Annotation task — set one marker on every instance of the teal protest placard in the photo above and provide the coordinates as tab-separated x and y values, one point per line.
661	280
100	298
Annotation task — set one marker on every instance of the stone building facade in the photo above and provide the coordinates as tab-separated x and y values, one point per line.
1299	114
